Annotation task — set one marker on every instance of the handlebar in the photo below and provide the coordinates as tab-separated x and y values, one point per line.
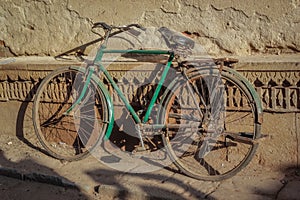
111	27
108	29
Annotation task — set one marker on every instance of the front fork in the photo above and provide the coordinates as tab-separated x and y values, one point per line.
90	70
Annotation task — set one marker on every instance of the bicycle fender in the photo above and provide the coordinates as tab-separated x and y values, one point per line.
252	92
107	98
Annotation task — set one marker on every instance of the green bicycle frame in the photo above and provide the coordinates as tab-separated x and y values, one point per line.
119	92
97	62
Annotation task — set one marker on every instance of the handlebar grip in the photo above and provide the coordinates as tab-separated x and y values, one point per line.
103	24
108	27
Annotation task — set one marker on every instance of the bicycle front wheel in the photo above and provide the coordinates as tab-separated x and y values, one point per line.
211	125
69	136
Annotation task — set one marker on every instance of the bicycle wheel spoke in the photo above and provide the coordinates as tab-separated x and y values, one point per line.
63	135
184	117
238	119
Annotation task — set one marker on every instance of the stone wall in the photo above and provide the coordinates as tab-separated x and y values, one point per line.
50	27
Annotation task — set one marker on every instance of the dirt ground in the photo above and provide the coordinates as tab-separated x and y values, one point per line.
15	189
96	181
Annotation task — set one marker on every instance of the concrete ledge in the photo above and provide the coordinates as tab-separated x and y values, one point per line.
276	78
37	177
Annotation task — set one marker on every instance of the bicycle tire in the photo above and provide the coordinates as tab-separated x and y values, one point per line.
68	137
228	155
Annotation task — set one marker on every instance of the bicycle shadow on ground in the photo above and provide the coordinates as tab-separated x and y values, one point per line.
23	180
24	124
149	185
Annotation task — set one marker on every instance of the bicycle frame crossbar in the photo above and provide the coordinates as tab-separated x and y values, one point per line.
137	51
97	62
157	90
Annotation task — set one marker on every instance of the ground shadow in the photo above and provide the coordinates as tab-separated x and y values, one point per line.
25	116
155	190
25	181
266	183
292	174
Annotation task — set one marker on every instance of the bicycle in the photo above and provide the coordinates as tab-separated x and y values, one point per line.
203	142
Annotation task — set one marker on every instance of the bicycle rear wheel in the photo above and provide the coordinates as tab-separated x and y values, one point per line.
212	125
69	136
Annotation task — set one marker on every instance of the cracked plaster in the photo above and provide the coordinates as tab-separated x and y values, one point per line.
50	27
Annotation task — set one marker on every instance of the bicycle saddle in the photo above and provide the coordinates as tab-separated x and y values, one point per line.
176	41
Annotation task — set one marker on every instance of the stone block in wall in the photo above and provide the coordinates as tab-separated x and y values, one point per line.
277	83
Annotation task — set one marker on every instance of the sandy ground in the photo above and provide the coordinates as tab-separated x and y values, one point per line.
96	181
